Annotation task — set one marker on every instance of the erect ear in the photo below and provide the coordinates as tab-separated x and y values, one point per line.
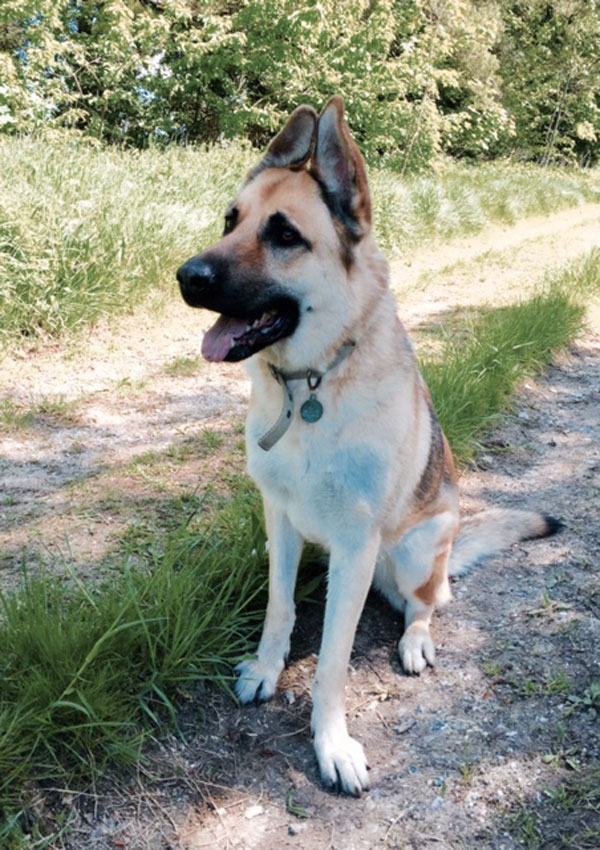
292	146
341	170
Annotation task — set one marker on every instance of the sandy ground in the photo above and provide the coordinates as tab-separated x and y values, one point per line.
468	754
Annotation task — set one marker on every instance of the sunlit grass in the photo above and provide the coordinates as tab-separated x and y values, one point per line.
87	232
85	672
463	200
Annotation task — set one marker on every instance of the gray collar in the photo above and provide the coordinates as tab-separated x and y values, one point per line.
312	409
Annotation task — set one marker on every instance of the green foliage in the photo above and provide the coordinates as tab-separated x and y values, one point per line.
468	77
419	77
462	200
85	232
552	50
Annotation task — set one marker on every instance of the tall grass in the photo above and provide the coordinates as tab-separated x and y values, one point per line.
85	232
463	200
86	672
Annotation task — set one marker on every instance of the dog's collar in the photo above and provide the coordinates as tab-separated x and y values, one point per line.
312	409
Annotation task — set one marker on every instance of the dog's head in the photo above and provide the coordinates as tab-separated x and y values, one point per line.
282	275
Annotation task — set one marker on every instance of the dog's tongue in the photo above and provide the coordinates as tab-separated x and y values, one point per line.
219	340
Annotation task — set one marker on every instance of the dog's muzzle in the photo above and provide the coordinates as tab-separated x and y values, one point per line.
254	311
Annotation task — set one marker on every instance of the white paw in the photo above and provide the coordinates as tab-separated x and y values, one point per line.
256	680
416	650
342	762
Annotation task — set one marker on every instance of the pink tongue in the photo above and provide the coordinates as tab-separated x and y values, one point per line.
219	339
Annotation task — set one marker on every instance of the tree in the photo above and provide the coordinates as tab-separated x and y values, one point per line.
550	53
472	78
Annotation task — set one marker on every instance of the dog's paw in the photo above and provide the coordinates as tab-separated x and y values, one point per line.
416	650
342	762
256	681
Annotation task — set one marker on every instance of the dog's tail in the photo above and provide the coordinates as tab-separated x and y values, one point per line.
491	531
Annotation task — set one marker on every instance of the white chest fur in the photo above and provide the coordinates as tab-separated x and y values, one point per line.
328	481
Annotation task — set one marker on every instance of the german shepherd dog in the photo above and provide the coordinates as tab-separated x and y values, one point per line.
342	437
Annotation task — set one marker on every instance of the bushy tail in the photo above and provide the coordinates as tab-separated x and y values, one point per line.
491	531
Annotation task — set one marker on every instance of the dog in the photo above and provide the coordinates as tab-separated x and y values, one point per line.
342	437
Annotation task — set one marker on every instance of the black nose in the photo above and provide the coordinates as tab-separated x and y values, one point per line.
196	275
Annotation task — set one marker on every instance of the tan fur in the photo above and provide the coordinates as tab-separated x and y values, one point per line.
372	481
432	590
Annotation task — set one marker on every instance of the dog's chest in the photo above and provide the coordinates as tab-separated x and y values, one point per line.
327	487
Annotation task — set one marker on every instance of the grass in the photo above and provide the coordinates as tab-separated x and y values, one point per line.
462	200
14	417
86	673
87	232
567	817
472	382
184	367
589	700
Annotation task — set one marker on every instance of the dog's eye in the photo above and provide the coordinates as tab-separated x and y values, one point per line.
286	236
230	221
279	232
289	236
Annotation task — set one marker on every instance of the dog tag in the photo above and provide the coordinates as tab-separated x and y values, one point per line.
311	410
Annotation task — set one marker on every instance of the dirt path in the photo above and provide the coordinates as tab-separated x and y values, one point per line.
108	429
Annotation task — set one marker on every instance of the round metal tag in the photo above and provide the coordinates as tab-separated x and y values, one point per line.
311	410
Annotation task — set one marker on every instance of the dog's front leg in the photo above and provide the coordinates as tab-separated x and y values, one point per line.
258	677
341	759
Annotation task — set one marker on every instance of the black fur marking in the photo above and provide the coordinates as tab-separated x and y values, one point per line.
347	226
231	219
553	526
338	209
431	475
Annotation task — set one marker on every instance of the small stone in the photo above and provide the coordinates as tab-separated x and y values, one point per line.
253	812
437	804
296	828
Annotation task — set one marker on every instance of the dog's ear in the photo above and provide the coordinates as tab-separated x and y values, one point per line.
292	146
341	170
